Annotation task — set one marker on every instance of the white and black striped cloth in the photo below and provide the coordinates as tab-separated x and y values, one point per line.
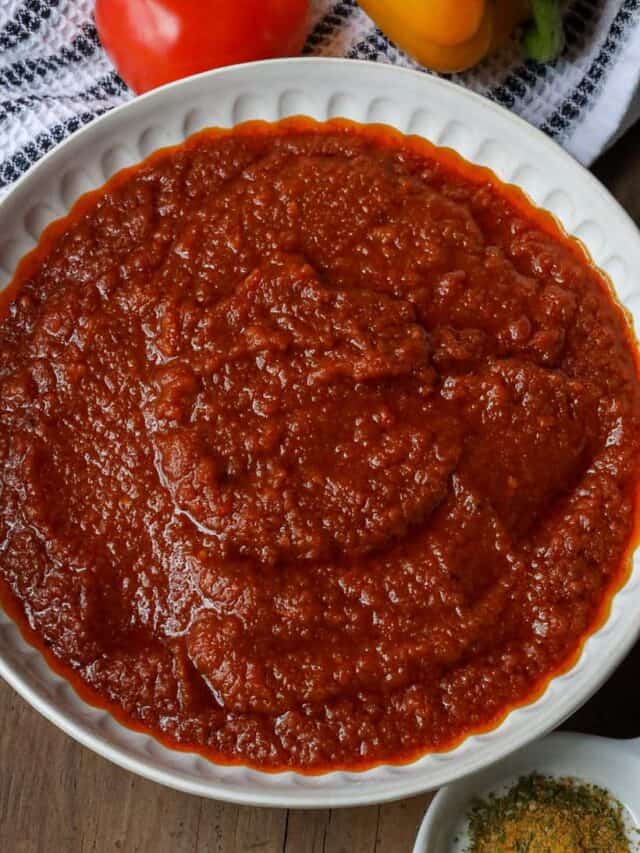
55	77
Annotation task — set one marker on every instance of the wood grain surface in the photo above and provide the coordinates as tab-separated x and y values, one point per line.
58	797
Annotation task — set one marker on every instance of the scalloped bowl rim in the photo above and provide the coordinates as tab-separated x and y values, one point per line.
412	102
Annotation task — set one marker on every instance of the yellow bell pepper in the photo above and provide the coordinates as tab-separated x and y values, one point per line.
448	35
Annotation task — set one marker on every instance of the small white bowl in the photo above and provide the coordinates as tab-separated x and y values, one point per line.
611	764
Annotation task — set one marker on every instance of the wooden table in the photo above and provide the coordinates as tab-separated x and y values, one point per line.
57	797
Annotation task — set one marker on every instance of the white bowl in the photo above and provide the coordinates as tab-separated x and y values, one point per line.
413	103
611	764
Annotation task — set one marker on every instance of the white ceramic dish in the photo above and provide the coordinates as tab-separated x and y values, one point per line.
611	764
366	92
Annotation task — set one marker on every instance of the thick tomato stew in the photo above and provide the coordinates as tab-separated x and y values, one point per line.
318	447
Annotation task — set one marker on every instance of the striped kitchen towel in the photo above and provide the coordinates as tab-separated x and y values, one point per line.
55	77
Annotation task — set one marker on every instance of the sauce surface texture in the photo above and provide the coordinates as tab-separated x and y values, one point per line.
318	447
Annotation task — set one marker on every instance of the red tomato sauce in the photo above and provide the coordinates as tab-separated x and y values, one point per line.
318	447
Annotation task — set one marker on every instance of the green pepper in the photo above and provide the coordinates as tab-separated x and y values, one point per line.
544	37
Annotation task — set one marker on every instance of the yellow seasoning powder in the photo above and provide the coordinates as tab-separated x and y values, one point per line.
541	814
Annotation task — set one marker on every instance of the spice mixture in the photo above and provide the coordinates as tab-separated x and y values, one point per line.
545	815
